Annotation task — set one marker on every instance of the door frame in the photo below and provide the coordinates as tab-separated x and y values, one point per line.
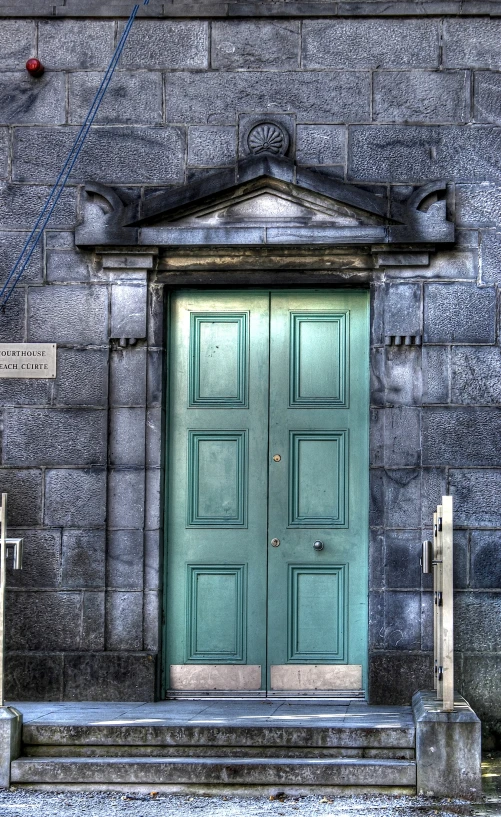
281	285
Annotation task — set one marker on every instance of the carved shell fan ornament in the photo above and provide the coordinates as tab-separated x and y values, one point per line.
268	137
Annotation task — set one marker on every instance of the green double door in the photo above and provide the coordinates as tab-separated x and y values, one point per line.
267	492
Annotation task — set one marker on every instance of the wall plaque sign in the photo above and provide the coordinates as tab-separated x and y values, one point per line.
28	360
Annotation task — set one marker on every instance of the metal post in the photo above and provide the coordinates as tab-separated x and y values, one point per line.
447	606
3	581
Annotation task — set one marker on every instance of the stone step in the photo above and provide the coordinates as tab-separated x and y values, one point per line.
212	771
69	750
355	735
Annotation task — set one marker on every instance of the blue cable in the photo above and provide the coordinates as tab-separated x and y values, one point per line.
57	190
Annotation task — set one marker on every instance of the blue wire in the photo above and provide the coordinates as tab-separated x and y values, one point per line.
68	166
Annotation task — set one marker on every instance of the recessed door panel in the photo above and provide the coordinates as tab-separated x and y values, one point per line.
318	479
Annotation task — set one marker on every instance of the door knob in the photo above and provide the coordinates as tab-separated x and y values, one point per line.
318	545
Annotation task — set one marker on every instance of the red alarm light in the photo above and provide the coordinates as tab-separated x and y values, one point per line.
35	67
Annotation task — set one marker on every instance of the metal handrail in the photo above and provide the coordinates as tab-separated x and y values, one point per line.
437	558
17	548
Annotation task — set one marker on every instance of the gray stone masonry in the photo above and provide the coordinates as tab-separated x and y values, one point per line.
448	750
11	724
385	95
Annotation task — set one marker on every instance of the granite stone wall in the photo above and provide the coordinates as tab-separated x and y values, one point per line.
377	100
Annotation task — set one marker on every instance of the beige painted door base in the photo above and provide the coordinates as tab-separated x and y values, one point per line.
325	677
285	677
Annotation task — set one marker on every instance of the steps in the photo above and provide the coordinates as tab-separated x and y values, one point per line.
268	746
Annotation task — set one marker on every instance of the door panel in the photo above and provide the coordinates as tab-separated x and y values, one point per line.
268	440
217	503
318	489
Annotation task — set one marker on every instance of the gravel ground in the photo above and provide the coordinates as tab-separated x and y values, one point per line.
24	803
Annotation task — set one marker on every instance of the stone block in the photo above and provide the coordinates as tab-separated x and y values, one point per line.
487	98
402	498
211	147
255	44
315	96
395	676
32	676
477	496
376	620
11	727
377	376
476	375
127	437
82	44
93	621
476	621
427	617
461	572
25	100
403	620
433	488
54	437
153	498
372	43
128	376
84	558
402	309
448	750
108	676
69	266
321	144
461	437
126	494
443	265
154	439
21	205
490	254
421	96
155	382
12	327
403	376
153	548
436	366
417	154
151	627
41	559
124	621
4	153
24	489
402	552
49	621
60	314
472	43
376	437
459	313
25	392
156	316
125	560
75	498
128	310
114	155
17	39
486	559
82	377
167	44
402	437
478	205
481	683
133	98
11	245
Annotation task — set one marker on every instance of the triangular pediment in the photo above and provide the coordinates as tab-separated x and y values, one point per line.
266	200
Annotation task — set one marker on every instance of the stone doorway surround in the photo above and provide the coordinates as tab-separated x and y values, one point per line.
263	222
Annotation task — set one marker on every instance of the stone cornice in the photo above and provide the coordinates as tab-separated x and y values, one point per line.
160	9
